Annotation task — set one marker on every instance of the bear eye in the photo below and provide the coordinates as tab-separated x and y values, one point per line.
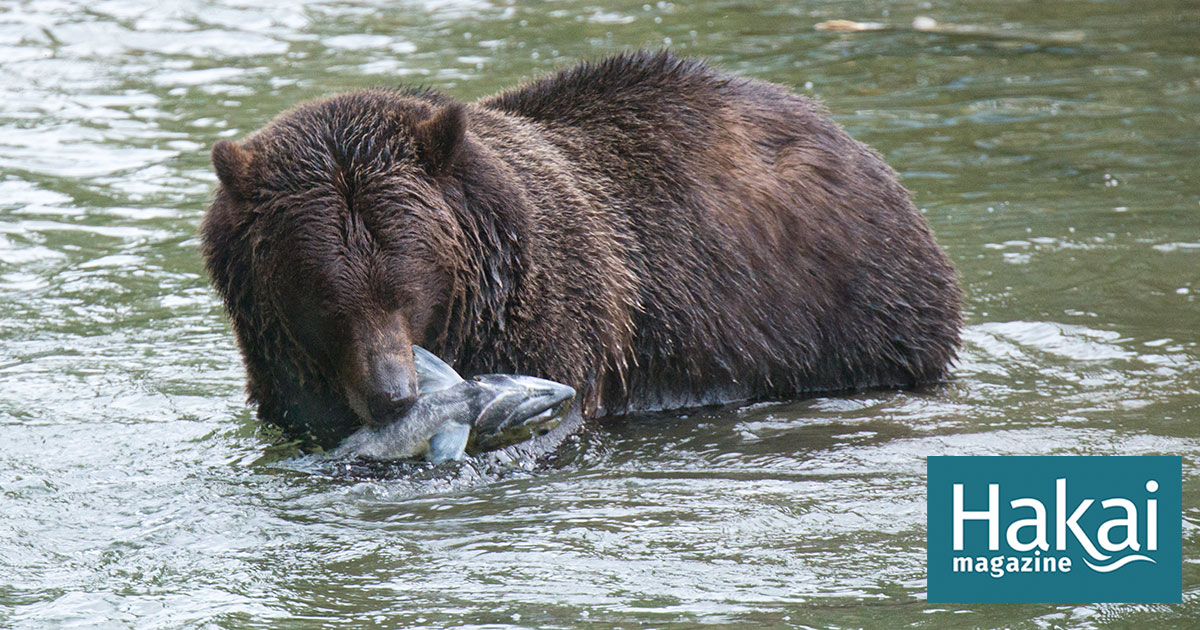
395	297
306	316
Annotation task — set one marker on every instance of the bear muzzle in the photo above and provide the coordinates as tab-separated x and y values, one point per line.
390	388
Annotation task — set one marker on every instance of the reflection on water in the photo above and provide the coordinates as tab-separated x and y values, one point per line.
1060	176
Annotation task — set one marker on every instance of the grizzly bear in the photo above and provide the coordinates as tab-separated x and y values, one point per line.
648	229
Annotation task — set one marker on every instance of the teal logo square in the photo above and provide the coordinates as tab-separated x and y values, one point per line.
1055	529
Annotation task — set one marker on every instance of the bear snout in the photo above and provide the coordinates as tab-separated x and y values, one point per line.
391	389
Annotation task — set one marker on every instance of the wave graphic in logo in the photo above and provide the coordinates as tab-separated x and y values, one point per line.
1105	568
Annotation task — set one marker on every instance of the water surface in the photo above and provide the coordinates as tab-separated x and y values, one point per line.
1054	155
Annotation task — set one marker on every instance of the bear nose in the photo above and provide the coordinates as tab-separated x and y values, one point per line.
391	390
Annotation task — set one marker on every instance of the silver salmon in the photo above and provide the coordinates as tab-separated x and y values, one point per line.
454	416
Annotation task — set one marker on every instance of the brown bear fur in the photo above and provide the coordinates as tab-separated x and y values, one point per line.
648	229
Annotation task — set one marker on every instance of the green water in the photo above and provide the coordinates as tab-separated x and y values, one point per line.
1055	157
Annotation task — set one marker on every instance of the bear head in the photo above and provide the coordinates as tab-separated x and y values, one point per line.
334	248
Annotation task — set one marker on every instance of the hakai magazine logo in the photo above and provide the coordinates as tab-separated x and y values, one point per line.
1055	529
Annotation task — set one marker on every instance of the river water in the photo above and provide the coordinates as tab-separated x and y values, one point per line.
1054	153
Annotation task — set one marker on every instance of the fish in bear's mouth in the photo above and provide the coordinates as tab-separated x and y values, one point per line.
453	417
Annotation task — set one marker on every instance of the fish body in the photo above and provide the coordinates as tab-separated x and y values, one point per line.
453	416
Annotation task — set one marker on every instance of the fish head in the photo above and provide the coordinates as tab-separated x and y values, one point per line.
513	408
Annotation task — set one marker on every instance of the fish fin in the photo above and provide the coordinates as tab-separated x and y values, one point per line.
449	444
433	374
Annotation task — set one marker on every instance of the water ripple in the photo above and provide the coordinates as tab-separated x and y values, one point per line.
138	491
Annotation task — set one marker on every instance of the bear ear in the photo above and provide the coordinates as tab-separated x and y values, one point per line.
439	139
234	168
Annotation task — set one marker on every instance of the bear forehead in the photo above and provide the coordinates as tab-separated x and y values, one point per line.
359	130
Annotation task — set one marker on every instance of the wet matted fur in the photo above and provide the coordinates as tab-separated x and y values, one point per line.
648	229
